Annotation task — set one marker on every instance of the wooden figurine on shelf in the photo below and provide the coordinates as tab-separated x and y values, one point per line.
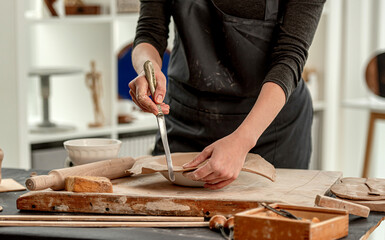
49	4
94	82
74	3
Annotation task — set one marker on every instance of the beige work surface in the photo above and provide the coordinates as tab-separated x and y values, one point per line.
154	195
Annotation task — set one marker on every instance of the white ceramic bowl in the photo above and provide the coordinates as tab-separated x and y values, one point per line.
88	150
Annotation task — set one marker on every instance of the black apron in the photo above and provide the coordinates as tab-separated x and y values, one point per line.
216	71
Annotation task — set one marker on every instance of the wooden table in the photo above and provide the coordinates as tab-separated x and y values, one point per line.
357	226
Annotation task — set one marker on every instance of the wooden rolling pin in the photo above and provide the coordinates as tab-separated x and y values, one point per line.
352	208
1	160
113	168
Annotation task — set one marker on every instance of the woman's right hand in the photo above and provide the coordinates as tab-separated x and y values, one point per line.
140	92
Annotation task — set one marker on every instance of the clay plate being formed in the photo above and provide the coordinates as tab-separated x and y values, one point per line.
151	164
181	180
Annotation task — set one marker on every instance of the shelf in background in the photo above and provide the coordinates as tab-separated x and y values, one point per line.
104	18
35	138
142	122
365	103
73	19
127	16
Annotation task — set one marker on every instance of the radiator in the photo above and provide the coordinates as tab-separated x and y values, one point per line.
135	146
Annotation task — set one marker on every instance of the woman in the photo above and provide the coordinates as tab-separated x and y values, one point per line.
234	80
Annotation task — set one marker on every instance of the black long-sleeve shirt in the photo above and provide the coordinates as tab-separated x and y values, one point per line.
290	50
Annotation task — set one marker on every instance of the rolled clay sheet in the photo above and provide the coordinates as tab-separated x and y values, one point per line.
254	163
367	189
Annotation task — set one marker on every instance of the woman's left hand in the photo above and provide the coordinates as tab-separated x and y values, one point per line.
225	159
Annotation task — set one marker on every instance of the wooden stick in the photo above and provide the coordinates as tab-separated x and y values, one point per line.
352	208
100	224
100	218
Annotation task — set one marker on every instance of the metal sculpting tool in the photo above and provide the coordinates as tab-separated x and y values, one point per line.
150	76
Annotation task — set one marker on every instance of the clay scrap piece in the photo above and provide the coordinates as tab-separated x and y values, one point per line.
10	185
376	186
88	184
358	189
254	163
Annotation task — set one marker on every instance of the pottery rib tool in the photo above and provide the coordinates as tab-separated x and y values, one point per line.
281	212
113	168
150	76
352	208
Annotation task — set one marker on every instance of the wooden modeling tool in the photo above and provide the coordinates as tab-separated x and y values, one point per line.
99	218
100	224
113	168
352	208
100	221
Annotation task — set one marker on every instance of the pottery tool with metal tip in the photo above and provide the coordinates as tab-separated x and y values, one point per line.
150	76
280	212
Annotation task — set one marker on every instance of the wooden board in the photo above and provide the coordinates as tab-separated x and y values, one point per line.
10	185
154	195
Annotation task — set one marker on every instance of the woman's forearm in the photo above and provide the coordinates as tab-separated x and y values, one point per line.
269	103
143	52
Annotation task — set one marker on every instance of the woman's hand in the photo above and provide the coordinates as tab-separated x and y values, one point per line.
225	159
140	92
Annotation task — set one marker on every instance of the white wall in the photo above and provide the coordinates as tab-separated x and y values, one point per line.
12	115
364	34
363	31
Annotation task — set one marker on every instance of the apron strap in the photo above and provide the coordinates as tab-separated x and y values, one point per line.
271	11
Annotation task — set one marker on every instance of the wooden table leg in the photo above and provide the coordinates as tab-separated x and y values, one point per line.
369	141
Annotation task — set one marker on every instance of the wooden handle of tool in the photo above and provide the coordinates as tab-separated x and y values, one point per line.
217	222
150	76
151	80
352	208
113	168
229	224
1	160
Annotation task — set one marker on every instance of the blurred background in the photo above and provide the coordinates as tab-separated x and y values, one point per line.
49	91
